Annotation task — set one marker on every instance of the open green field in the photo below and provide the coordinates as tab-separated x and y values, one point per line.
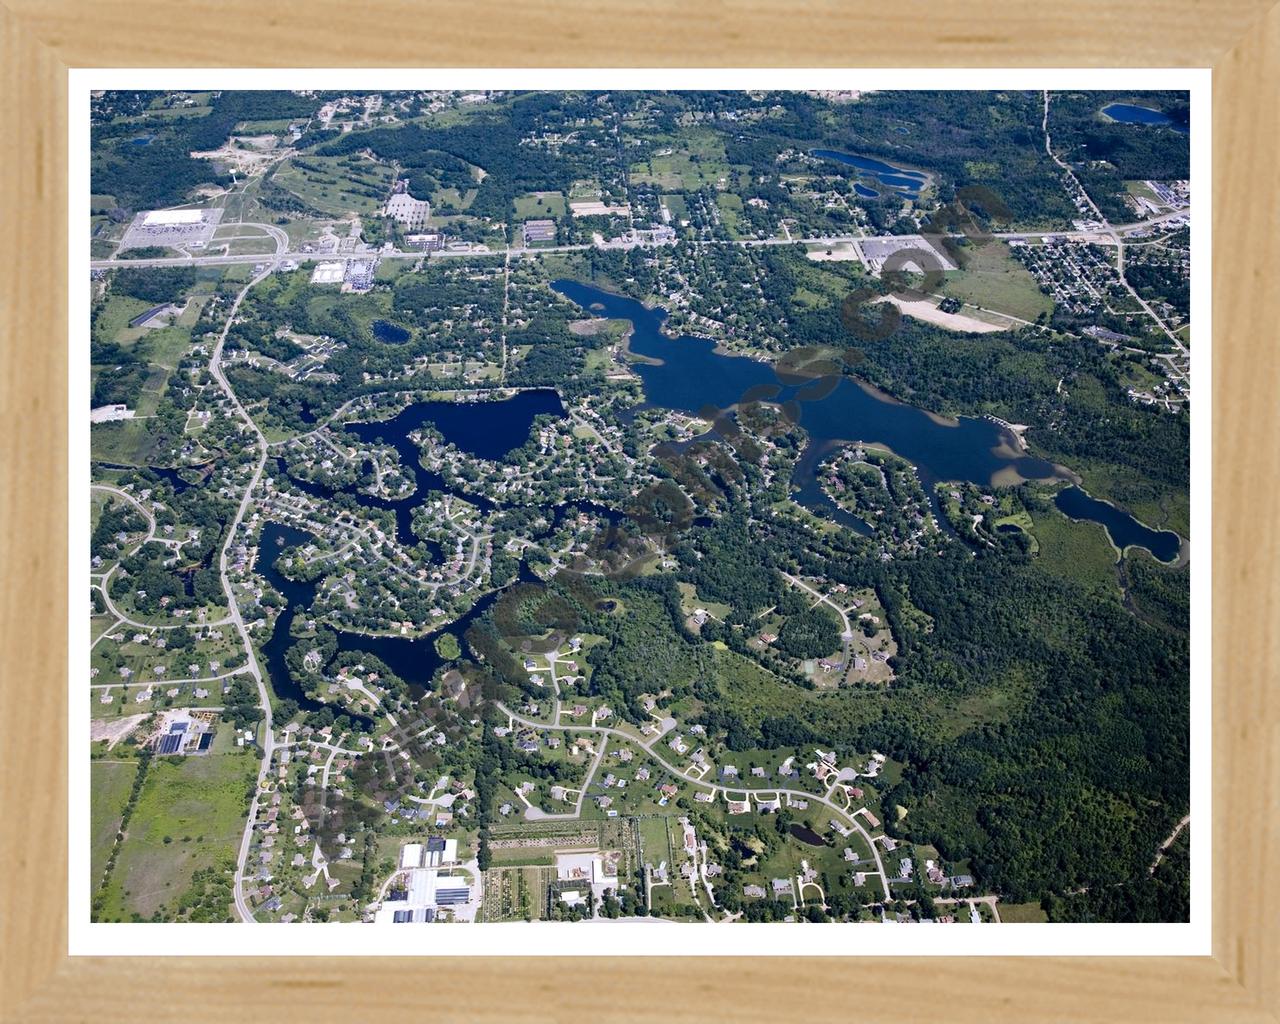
129	441
113	322
539	205
109	785
696	158
655	840
336	185
678	207
125	441
1022	913
994	280
189	815
452	197
730	213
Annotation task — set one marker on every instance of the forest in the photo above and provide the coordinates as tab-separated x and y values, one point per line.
162	172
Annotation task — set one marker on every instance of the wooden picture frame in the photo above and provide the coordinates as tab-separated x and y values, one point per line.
1239	39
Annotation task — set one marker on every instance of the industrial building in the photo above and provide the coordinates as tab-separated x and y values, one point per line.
328	273
190	228
359	275
539	231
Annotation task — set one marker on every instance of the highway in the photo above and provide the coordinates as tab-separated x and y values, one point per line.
1107	236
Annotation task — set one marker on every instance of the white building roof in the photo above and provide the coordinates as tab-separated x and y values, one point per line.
160	217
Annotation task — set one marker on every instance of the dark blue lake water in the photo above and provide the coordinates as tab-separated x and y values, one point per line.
864	191
486	429
886	174
1127	113
690	376
1122	527
392	334
276	538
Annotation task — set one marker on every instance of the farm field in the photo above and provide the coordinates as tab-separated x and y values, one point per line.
189	815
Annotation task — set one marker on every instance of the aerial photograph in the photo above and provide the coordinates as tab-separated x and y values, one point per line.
713	506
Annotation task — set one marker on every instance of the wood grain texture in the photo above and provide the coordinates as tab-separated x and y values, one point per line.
39	40
656	33
1246	549
33	520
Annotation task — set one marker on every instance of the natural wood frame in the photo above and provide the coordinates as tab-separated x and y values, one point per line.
40	39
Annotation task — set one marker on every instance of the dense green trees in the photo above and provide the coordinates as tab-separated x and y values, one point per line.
154	284
162	172
811	634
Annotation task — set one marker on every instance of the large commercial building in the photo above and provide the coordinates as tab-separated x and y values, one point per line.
189	227
539	231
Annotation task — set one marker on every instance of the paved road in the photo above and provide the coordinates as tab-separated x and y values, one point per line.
847	636
268	738
713	789
1107	236
104	584
1113	234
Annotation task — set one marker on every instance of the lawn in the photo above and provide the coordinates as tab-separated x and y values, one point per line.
1022	913
730	213
109	785
540	205
189	815
994	280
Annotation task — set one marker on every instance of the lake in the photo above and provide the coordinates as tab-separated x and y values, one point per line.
1123	529
487	430
689	375
392	334
275	539
862	190
886	174
1127	113
807	835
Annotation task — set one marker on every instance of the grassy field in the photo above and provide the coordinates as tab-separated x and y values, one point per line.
538	205
994	280
676	204
109	785
126	441
1022	913
730	213
336	185
189	815
695	159
117	313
